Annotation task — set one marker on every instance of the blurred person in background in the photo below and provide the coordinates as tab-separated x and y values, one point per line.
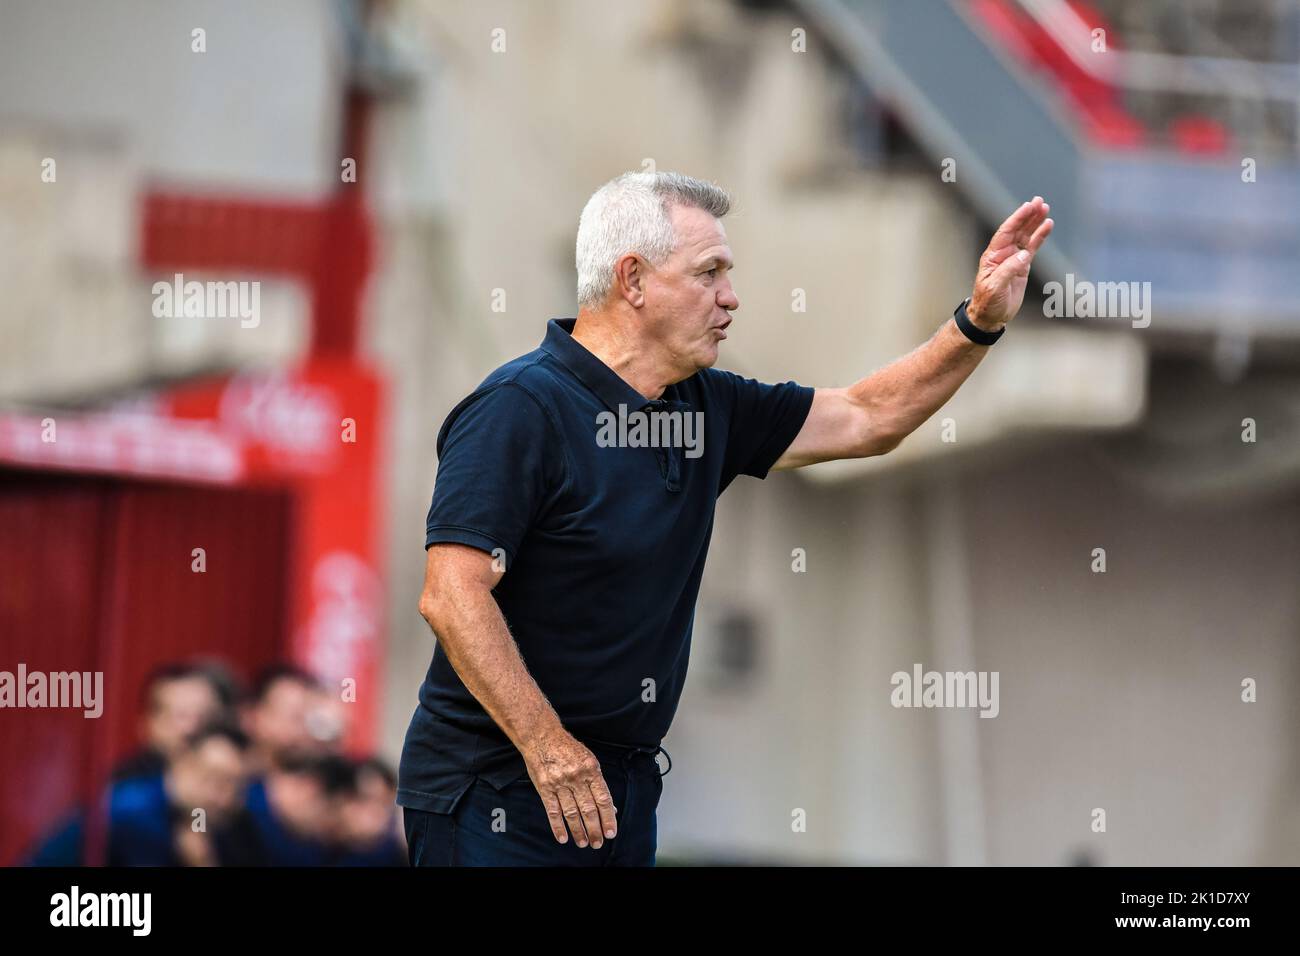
290	715
327	810
178	699
295	730
369	832
152	820
295	809
228	687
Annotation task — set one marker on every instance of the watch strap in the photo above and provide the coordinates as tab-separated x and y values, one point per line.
970	329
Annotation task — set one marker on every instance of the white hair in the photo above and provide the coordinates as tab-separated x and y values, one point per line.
630	214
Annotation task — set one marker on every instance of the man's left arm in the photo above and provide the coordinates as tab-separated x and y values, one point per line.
874	415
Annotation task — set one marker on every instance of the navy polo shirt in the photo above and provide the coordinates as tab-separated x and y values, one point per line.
603	538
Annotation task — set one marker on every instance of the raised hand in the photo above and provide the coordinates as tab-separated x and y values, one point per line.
1004	266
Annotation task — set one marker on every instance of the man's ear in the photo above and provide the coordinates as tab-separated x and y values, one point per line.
630	274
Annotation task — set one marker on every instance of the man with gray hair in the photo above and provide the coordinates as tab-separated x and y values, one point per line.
564	558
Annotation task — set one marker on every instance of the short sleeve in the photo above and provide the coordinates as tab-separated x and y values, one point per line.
763	420
498	466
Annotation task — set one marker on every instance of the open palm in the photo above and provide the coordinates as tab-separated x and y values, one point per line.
1004	267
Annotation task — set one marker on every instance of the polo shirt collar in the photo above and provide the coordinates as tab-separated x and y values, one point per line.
602	380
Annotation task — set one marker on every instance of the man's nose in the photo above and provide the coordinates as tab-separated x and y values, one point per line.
728	300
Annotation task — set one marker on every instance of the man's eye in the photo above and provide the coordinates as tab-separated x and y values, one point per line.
713	271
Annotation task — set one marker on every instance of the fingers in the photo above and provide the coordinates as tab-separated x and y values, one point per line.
1039	236
1010	229
572	816
605	806
1016	266
589	812
1038	212
1011	269
572	788
555	816
1026	228
590	817
995	257
1019	263
1020	225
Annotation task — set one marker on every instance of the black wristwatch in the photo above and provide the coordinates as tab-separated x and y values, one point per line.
970	329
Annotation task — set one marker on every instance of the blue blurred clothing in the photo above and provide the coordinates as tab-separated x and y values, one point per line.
140	821
141	832
387	851
280	845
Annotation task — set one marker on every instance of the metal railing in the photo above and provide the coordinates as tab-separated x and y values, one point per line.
1225	77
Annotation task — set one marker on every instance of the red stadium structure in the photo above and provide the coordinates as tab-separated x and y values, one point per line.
275	476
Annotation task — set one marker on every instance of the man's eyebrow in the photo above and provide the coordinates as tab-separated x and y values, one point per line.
716	259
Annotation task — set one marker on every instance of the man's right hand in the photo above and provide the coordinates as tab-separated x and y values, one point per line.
457	602
568	779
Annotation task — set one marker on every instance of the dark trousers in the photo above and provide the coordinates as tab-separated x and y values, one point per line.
509	827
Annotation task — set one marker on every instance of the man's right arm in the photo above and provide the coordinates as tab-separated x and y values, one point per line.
458	604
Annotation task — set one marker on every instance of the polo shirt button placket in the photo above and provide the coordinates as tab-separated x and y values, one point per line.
670	458
673	480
